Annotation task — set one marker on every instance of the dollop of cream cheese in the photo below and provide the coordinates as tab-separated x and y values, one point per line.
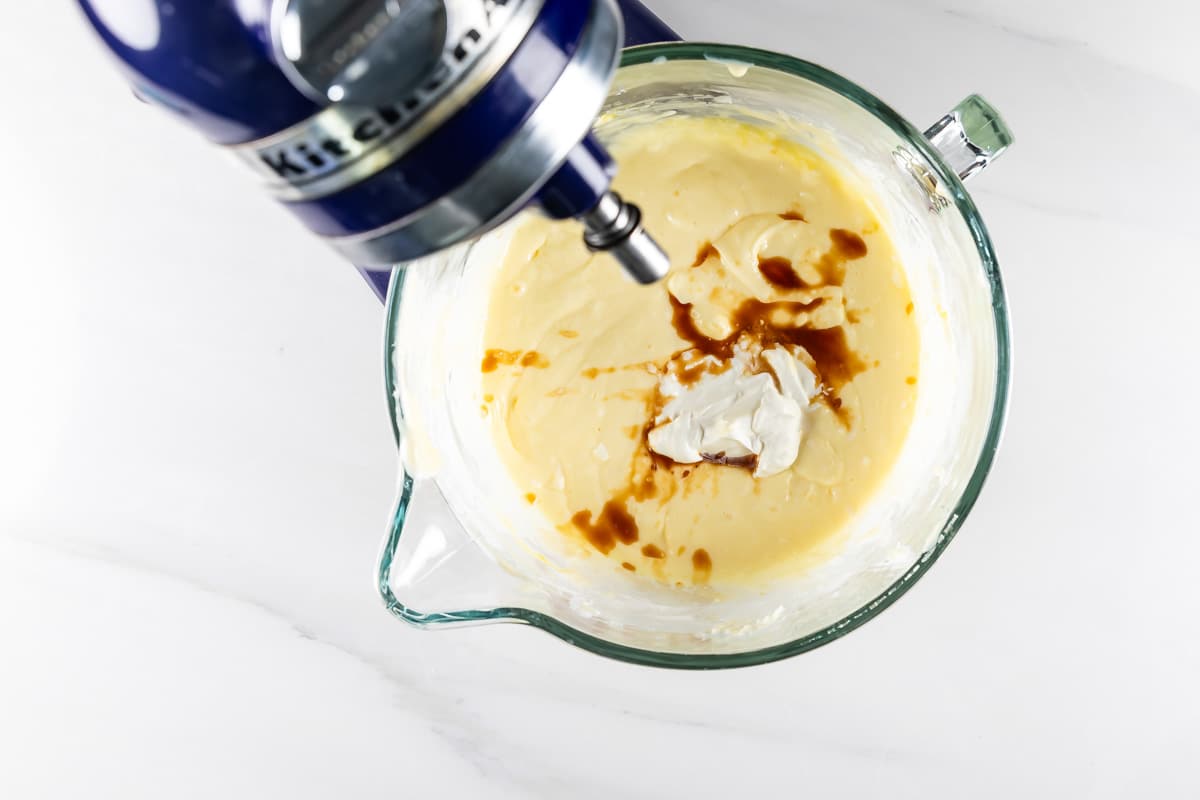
734	411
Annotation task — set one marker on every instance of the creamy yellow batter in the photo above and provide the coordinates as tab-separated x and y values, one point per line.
574	350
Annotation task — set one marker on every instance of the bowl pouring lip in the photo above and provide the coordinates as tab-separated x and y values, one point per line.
756	58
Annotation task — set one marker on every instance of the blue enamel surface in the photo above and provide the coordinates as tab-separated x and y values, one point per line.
377	279
211	65
642	26
580	182
452	153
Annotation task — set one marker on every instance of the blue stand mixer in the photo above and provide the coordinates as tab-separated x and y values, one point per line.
396	128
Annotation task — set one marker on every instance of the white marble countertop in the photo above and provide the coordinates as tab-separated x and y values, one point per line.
196	470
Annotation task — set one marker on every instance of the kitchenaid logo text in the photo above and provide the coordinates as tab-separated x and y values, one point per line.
341	135
310	157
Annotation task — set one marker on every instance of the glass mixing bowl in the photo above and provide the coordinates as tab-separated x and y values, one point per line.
463	550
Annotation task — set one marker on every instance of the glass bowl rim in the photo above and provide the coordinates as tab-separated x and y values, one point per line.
695	51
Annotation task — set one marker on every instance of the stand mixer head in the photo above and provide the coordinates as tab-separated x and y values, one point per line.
397	128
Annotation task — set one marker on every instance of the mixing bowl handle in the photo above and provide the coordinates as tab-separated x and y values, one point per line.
970	137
